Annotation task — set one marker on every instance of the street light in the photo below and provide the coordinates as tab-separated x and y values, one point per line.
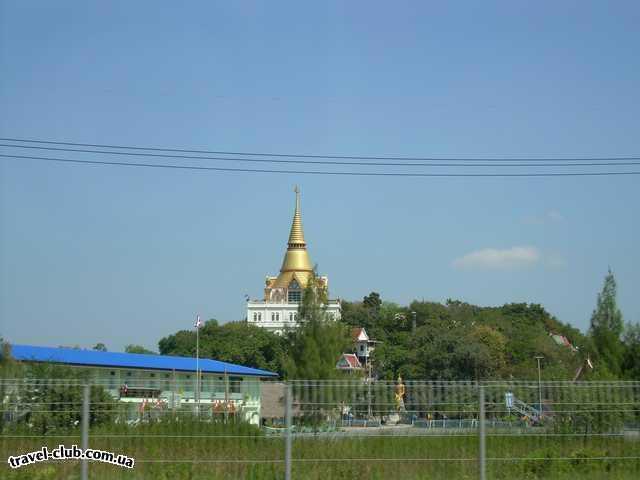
538	358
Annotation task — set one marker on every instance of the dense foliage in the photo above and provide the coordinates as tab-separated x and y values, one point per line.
459	341
235	342
137	349
432	341
314	348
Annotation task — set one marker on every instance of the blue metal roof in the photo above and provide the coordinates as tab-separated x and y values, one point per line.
95	358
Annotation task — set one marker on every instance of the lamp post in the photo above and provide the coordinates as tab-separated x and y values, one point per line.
197	325
538	358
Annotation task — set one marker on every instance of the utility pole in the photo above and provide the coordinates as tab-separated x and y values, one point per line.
538	358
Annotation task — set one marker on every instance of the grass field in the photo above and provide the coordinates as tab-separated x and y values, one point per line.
189	450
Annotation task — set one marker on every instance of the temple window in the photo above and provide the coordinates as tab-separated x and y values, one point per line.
295	293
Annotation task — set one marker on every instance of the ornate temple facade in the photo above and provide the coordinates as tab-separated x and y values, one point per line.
278	310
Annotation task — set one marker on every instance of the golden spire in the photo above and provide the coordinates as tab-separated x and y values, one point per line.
296	263
296	236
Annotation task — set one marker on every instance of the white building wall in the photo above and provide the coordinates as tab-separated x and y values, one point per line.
275	316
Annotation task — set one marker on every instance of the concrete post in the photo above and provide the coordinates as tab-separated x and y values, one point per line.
482	446
85	429
288	404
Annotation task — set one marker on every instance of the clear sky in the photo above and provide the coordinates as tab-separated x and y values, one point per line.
122	255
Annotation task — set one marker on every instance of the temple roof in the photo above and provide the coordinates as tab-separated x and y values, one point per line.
348	361
359	334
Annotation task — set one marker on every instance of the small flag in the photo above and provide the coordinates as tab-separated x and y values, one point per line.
198	323
589	363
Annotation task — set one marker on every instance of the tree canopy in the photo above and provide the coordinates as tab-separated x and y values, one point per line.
137	349
607	327
453	340
235	342
314	347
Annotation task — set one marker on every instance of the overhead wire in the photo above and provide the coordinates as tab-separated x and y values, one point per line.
335	157
316	172
328	162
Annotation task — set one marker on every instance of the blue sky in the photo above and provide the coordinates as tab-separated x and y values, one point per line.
124	255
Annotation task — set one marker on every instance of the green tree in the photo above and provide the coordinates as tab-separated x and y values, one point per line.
100	347
372	302
459	341
490	351
631	357
181	343
9	369
56	406
317	343
7	362
607	327
137	349
235	342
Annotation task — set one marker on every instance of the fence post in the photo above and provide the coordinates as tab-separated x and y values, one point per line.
288	401
86	390
482	447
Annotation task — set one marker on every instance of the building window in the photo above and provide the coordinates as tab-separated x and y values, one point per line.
290	316
255	317
294	294
277	317
259	317
235	384
273	317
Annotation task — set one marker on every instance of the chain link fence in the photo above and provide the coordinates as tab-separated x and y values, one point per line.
351	429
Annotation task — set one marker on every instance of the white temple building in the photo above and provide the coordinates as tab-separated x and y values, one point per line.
278	310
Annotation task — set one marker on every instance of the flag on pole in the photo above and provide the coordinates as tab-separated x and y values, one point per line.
198	323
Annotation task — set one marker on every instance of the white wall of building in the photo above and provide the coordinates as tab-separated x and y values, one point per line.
278	317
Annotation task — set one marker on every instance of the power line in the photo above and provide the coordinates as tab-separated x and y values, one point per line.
327	162
335	157
312	172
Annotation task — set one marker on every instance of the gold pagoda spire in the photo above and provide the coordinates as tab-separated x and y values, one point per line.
296	264
296	236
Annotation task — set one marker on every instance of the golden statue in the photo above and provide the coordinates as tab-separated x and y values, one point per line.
400	391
